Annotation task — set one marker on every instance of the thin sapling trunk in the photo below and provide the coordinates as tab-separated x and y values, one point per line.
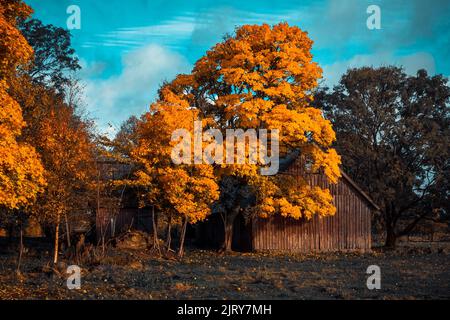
169	232
182	237
55	254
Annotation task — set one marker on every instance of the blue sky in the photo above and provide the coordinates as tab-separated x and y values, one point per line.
128	48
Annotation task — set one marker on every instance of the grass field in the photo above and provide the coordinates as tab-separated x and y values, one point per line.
135	274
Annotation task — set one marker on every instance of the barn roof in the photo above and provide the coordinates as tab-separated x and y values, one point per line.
287	161
360	191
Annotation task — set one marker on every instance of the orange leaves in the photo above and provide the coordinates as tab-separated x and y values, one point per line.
156	128
248	109
15	50
187	190
11	121
272	62
263	77
292	199
21	172
68	156
12	10
233	75
327	160
62	169
65	143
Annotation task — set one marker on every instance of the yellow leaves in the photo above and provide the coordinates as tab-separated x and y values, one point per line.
289	210
15	50
328	161
187	190
301	202
11	121
267	207
21	174
318	201
320	128
271	61
68	156
331	165
261	78
65	159
307	130
291	197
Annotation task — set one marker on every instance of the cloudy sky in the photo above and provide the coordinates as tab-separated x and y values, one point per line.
128	48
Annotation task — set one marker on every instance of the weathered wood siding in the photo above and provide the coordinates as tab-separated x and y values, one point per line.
348	230
111	222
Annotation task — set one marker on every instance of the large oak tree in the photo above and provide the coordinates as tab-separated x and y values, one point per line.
394	137
262	77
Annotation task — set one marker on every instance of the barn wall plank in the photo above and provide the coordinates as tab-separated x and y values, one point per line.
349	229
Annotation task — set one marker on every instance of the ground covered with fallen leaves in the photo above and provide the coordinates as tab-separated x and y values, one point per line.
137	274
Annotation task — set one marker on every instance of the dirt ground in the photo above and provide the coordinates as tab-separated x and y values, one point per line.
409	273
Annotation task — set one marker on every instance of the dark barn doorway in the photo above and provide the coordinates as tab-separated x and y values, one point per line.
242	235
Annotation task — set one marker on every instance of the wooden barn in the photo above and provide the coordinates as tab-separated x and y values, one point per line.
348	230
118	212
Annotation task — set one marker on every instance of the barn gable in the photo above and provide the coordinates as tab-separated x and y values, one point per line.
348	230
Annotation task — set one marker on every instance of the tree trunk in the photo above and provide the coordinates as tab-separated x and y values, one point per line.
391	238
228	222
169	232
103	235
55	255
98	209
20	249
390	216
67	231
182	237
155	230
228	241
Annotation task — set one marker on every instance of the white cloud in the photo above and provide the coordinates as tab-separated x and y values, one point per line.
166	32
411	63
202	27
133	90
91	69
213	24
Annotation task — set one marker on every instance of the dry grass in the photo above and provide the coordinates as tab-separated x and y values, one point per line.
136	274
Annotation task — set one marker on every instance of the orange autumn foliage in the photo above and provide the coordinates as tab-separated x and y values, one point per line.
186	190
15	50
68	155
21	171
264	77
